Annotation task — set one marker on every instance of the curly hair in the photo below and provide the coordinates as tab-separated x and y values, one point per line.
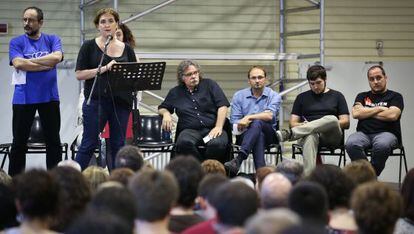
105	11
183	66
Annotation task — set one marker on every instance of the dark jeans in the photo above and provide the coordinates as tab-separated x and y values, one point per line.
189	139
116	116
23	116
255	139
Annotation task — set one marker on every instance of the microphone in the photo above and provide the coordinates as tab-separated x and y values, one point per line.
108	39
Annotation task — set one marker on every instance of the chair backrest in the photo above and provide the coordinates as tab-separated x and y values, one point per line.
36	132
150	131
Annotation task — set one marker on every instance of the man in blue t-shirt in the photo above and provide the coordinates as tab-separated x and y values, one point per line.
34	56
317	118
378	112
254	113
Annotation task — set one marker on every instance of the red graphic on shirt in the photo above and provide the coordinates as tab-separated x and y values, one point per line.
368	101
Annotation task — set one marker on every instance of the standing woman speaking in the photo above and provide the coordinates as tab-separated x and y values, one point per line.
114	106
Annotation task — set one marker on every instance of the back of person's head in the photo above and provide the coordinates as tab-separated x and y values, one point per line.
275	191
8	210
360	171
37	194
316	71
95	176
188	172
209	185
261	173
129	156
70	163
376	208
73	197
235	202
5	178
99	223
272	221
309	200
211	166
121	175
156	193
336	184
293	170
407	192
116	200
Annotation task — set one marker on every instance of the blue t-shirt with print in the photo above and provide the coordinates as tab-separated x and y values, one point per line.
40	87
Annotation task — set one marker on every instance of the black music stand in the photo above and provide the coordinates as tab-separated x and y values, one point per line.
135	77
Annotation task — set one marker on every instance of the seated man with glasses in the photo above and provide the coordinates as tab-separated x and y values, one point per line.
201	107
318	117
254	113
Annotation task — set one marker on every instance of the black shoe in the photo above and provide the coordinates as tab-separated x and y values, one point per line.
233	166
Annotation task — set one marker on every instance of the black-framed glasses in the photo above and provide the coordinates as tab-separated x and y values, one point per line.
257	77
190	74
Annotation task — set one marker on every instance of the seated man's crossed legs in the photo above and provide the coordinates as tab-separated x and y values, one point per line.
258	135
325	131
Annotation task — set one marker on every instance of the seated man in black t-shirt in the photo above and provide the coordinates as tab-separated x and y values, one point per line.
201	107
318	117
378	112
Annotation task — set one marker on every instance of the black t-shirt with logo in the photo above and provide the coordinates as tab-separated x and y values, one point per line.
386	99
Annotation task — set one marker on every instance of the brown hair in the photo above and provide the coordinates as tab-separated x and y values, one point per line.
105	11
360	171
212	166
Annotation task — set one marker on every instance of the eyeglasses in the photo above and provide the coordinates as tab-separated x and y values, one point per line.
257	77
190	74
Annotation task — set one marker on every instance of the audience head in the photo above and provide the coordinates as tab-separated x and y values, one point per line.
130	157
74	195
235	202
407	192
7	207
243	179
261	173
337	185
376	208
37	194
155	192
116	200
275	191
124	34
360	171
121	175
99	223
206	189
309	200
293	170
5	178
211	166
272	221
188	172
95	176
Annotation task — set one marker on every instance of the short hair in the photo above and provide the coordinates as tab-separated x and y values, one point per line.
99	223
275	191
121	175
105	11
309	200
293	170
128	36
213	166
234	202
374	201
337	185
8	208
316	71
271	221
376	66
256	67
360	171
129	156
188	172
209	185
38	11
74	195
95	176
183	66
261	173
37	192
115	200
407	192
156	193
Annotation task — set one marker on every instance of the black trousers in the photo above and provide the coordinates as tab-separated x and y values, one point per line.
23	116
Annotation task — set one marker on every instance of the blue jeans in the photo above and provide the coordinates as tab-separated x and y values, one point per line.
380	143
117	117
255	139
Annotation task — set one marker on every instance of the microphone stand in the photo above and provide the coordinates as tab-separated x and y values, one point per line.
97	76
